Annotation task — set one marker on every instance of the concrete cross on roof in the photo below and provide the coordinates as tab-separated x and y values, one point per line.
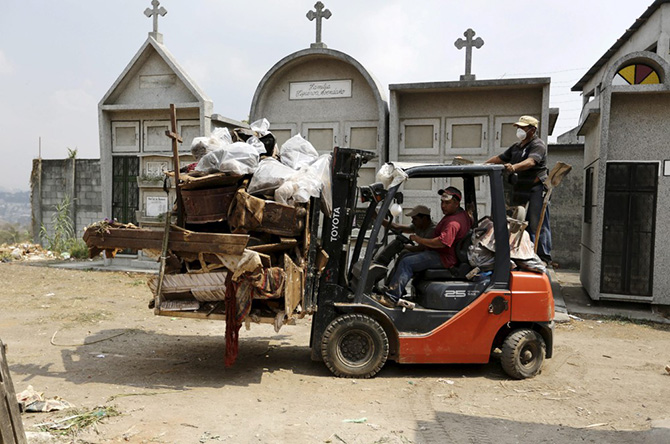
318	15
155	12
468	43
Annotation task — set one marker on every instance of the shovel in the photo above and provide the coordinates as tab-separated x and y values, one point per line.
556	175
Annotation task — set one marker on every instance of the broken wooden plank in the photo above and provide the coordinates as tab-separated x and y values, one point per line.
293	290
195	180
186	241
11	425
284	244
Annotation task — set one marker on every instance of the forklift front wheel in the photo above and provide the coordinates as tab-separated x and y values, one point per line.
354	346
523	354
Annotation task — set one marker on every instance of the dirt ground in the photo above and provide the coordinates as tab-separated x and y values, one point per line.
606	382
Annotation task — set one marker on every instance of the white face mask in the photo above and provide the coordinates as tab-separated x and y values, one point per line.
520	134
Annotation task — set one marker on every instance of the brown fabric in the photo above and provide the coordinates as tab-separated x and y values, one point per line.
266	283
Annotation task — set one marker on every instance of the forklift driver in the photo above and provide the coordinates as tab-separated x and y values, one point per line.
422	224
438	251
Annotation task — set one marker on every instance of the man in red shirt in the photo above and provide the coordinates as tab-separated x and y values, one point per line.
438	251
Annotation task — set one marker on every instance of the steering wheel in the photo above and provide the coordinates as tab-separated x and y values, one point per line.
401	237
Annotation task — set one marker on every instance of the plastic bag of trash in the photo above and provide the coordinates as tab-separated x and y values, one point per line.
236	158
297	152
310	181
269	176
256	143
262	127
390	176
322	170
219	138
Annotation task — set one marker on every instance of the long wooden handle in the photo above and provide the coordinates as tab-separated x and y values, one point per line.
539	225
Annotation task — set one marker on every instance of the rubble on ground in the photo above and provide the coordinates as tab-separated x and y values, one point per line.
24	252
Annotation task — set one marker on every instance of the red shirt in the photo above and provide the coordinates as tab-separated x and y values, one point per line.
450	230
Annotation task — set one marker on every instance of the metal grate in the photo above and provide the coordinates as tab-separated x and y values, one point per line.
628	228
125	192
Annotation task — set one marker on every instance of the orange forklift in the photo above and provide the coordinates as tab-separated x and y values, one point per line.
457	319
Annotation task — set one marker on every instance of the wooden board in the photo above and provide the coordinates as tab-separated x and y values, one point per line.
11	425
186	241
294	288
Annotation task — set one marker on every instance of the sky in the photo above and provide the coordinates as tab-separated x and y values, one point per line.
59	58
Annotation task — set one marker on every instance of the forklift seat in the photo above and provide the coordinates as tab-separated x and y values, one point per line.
456	273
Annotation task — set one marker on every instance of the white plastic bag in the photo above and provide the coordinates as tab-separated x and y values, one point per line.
223	135
219	138
262	127
390	176
256	143
297	152
310	181
236	158
269	176
321	169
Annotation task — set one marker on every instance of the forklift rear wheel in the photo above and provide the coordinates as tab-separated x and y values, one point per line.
523	354
354	346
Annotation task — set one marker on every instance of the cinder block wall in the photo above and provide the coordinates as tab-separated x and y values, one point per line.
52	180
567	206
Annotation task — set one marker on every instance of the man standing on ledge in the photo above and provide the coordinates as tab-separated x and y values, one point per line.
528	158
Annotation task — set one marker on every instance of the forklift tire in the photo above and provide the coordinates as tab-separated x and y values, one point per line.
354	346
523	354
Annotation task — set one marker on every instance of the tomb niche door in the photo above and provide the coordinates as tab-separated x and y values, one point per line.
323	136
125	192
628	229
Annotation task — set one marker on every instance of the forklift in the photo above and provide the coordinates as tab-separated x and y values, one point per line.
456	320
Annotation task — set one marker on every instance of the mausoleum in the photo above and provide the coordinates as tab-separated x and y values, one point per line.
326	96
625	121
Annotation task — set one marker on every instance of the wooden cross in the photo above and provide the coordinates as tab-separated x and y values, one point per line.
155	12
176	140
318	15
468	43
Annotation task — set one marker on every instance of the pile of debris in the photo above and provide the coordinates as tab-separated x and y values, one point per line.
241	252
24	252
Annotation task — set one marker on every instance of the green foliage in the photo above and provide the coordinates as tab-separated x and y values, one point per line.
13	234
63	228
63	238
71	153
78	249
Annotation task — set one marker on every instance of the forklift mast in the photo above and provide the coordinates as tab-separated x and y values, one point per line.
338	226
335	235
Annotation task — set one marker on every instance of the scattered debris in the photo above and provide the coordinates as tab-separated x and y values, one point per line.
32	401
356	421
600	424
83	343
207	436
24	252
667	369
333	437
446	381
79	421
576	318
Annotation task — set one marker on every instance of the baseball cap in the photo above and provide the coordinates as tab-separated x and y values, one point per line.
419	209
450	192
527	120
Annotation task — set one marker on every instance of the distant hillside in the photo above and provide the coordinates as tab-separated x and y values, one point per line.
15	207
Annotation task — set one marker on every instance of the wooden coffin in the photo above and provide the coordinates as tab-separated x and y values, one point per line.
248	213
207	205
